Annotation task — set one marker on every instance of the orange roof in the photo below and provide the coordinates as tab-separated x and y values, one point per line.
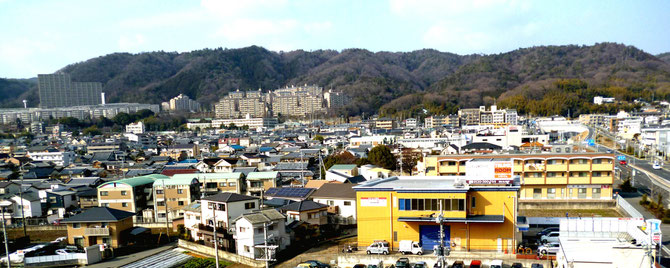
532	144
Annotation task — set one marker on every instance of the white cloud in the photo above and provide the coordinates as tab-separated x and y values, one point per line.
131	43
318	27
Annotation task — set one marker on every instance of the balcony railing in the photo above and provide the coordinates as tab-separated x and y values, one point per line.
98	231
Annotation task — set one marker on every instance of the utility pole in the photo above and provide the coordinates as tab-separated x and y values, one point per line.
302	170
268	250
167	222
23	214
439	221
216	239
4	233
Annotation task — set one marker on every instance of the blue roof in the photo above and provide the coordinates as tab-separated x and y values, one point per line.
265	149
189	161
237	147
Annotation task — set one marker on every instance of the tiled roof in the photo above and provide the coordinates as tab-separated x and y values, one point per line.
100	214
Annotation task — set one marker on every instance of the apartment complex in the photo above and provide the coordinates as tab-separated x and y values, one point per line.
439	121
8	116
58	90
475	217
173	195
181	103
575	176
132	195
494	116
290	101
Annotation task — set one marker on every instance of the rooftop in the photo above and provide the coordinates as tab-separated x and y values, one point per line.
100	214
229	197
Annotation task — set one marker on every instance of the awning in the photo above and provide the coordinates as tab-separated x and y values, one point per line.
468	219
522	223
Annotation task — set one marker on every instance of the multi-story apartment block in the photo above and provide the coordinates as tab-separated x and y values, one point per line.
258	182
593	119
135	128
240	104
212	183
439	121
544	177
58	90
469	116
181	103
385	123
172	195
334	99
132	195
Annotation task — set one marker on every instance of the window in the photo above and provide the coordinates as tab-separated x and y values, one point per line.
124	204
231	184
597	161
180	203
259	230
551	193
595	194
461	204
551	174
124	192
222	184
347	203
160	203
271	227
246	248
106	240
221	207
581	193
161	215
451	163
331	202
596	174
159	191
249	205
103	193
180	191
76	225
106	205
537	193
473	202
242	229
104	225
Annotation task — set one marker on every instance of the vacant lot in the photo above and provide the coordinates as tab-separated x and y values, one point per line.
36	235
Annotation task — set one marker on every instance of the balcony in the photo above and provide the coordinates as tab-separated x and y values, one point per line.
534	167
602	167
448	169
602	180
97	231
533	180
579	180
557	167
580	167
557	180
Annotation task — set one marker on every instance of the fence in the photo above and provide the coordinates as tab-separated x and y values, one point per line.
222	254
628	208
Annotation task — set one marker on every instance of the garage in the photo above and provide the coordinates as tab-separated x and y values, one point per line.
430	236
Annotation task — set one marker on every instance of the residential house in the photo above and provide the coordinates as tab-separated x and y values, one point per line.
351	170
308	211
341	201
251	229
60	201
46	154
32	206
218	211
225	165
99	225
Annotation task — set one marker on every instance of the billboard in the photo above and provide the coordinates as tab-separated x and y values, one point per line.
489	172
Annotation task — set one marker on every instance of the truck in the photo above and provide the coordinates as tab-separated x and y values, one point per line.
410	247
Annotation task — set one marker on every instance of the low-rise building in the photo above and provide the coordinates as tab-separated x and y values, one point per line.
132	194
308	211
58	157
135	128
172	195
99	225
341	201
251	228
260	181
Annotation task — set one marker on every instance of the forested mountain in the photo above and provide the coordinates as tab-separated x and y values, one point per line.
664	56
395	82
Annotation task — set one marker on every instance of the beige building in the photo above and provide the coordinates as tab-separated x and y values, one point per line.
130	195
172	195
99	225
240	104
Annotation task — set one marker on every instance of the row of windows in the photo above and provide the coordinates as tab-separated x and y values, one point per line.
160	191
572	174
106	193
162	203
549	162
554	193
124	204
431	204
219	184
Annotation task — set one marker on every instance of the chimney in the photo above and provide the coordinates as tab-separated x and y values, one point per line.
102	96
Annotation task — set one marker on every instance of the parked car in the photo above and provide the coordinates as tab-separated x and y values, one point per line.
376	264
360	266
517	265
623	163
536	265
420	264
475	264
549	248
65	251
410	247
378	247
496	264
402	263
546	231
458	264
656	165
317	264
550	237
305	265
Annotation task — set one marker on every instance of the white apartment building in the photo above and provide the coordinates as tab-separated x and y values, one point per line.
372	140
135	128
59	157
227	207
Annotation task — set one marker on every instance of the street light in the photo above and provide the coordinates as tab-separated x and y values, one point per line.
3	204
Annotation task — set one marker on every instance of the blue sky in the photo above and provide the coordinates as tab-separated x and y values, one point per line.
44	36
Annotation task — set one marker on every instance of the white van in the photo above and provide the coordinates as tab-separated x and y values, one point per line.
378	247
496	264
410	247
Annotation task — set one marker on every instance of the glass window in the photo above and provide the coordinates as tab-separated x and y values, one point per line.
434	203
222	184
596	174
124	204
180	191
231	184
420	202
160	203
249	205
415	204
221	207
181	203
597	161
581	193
461	204
76	225
401	204
124	192
595	194
551	193
103	193
537	193
347	203
473	202
159	191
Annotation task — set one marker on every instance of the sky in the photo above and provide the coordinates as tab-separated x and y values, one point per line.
43	36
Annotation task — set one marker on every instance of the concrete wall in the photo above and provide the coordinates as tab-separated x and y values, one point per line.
349	260
567	204
222	254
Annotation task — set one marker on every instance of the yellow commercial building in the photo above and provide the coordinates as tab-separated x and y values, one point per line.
575	176
475	217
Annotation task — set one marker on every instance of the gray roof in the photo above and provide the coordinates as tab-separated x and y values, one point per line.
335	190
100	214
229	197
303	206
262	216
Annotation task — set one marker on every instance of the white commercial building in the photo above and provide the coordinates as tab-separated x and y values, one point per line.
58	157
135	128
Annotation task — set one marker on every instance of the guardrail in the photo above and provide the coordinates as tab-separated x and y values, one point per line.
627	207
